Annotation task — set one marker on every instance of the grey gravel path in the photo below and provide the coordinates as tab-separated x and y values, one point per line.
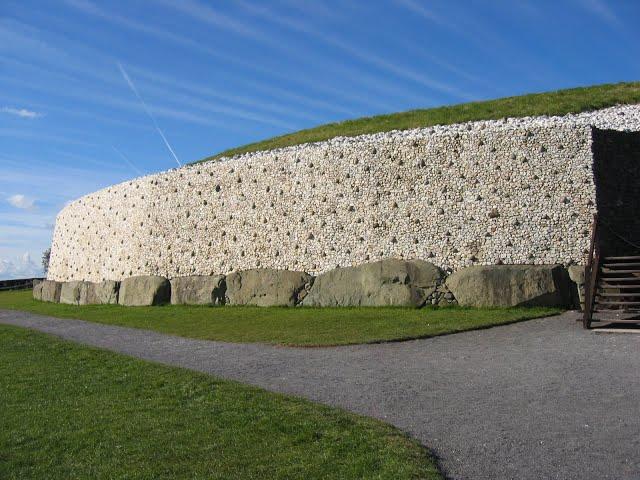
541	399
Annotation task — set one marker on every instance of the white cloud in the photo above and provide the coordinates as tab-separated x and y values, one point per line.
22	201
19	267
21	112
602	10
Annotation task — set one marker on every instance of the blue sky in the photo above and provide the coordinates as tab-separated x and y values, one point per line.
97	92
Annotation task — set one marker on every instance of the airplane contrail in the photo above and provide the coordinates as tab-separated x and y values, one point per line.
126	159
146	109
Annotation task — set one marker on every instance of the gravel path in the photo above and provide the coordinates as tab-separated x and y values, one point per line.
541	399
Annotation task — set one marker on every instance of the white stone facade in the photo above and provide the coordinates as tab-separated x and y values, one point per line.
518	191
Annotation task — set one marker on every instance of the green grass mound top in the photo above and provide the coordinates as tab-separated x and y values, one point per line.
561	102
298	326
70	412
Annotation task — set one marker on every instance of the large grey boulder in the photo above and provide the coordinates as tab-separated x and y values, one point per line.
144	290
70	292
267	287
511	285
198	290
37	289
391	281
51	291
100	293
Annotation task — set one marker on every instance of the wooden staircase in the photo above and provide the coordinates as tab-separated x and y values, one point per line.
612	285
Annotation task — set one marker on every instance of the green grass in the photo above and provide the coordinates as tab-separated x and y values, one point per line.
73	412
287	326
561	102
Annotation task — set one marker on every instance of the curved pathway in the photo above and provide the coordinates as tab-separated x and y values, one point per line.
541	399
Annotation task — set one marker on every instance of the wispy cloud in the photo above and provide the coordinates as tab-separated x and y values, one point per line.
210	107
85	95
43	137
69	63
303	99
34	223
54	182
21	39
21	112
358	53
85	160
222	95
90	8
464	26
419	8
480	35
22	201
146	109
213	17
601	10
316	8
228	60
127	161
206	14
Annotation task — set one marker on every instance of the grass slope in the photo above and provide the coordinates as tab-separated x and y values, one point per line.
561	102
301	326
70	411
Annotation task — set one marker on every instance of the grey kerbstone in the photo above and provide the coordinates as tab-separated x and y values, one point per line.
576	274
198	290
70	292
266	287
51	291
144	290
37	289
387	282
511	285
100	293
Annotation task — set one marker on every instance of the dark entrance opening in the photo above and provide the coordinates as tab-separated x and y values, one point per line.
612	276
616	168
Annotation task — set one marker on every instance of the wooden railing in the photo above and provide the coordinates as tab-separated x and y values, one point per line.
591	273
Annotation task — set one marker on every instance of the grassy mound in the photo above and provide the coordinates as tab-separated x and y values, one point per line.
561	102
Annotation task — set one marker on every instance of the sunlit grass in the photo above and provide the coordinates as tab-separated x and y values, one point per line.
561	102
73	412
287	326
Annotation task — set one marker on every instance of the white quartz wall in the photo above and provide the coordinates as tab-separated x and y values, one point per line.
483	193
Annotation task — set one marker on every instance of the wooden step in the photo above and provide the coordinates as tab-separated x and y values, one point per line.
614	295
615	320
616	298
621	303
618	312
621	279
604	271
621	287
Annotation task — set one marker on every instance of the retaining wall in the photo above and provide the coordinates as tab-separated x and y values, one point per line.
513	192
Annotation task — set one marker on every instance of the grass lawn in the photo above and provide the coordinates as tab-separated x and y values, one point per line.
302	326
561	102
70	412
